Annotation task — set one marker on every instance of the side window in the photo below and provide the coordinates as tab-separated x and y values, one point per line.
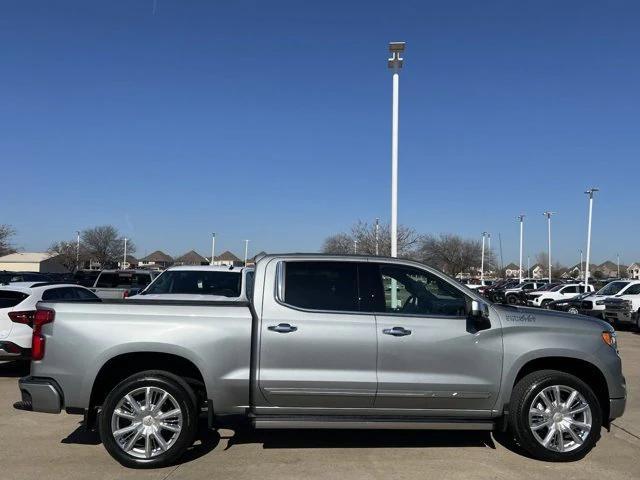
51	294
571	289
420	293
633	290
82	294
321	285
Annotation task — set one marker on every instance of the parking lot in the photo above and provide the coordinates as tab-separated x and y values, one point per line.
36	445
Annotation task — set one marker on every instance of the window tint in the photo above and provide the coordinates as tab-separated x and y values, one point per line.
249	280
123	280
51	294
632	290
420	293
198	282
10	299
321	285
571	289
83	294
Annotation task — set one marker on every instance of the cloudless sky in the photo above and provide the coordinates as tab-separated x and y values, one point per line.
271	121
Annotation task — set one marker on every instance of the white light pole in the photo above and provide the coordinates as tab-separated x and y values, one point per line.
618	262
590	193
548	215
528	266
124	257
521	219
395	64
484	234
246	251
78	250
377	235
213	247
355	247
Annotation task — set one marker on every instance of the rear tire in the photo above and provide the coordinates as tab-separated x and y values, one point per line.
148	420
512	299
545	425
545	304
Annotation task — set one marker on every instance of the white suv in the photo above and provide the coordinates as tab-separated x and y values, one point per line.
559	292
17	307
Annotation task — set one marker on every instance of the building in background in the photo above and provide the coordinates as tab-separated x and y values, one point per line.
191	258
227	258
157	259
633	271
132	262
42	262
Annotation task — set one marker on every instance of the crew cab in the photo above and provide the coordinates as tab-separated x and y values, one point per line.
624	308
326	342
595	304
512	295
559	292
201	282
114	284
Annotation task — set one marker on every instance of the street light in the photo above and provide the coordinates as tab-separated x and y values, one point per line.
213	247
395	64
246	251
618	263
484	234
78	251
521	219
548	215
590	193
355	247
377	234
124	257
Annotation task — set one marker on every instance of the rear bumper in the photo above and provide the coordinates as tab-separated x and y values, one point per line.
40	395
11	351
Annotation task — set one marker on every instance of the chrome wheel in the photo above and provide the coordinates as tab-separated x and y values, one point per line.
560	418
146	422
573	310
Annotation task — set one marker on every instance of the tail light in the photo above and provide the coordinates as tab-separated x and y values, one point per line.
125	294
35	319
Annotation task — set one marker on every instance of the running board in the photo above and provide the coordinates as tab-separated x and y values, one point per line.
282	422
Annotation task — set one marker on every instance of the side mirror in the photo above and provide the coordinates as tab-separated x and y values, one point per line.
479	317
479	309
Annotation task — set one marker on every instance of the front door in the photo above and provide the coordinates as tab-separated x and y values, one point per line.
430	358
317	347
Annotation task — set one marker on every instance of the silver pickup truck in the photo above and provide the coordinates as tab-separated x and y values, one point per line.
326	342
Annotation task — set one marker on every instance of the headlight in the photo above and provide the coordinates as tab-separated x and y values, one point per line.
610	339
600	302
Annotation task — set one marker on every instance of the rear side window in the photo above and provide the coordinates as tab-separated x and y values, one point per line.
123	280
68	293
10	299
632	290
321	285
571	289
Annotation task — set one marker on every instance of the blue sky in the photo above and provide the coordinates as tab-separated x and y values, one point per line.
271	121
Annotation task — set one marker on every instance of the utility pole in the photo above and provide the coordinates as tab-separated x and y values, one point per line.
581	269
618	262
377	235
528	266
484	234
213	247
548	215
246	251
395	64
590	193
521	219
355	247
78	251
501	257
124	257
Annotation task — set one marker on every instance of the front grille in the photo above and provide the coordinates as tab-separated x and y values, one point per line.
587	305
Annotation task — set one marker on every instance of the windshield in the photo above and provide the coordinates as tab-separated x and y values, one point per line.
612	288
198	282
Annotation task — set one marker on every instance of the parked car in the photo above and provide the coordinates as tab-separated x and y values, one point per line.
595	304
86	278
495	290
569	305
322	344
513	295
28	277
17	303
114	284
563	291
525	296
199	283
624	308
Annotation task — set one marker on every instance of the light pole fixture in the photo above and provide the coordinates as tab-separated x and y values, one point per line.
213	247
521	220
246	251
548	215
590	192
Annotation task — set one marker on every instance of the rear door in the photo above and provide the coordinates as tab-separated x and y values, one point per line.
430	358
317	346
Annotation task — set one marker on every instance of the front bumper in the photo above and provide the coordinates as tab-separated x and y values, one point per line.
39	395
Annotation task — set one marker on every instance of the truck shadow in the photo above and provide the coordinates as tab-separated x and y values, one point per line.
360	438
14	369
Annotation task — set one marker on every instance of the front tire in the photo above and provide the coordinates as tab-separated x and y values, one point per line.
512	299
148	420
546	304
555	416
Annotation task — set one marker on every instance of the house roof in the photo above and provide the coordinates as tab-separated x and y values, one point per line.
191	257
27	257
131	259
537	265
227	257
633	265
157	256
511	266
608	264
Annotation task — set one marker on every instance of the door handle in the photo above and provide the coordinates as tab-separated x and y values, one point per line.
282	328
397	331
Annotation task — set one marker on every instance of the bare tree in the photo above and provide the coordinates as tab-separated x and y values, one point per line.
365	235
104	244
67	254
450	253
6	233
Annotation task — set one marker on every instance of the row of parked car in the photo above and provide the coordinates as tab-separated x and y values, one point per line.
616	301
20	292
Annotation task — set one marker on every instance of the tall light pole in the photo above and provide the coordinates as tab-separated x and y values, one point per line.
78	250
213	247
590	193
484	234
395	64
618	263
548	215
377	235
246	251
581	270
521	219
124	257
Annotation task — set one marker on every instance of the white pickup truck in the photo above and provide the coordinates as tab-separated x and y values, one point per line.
595	304
624	308
118	284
